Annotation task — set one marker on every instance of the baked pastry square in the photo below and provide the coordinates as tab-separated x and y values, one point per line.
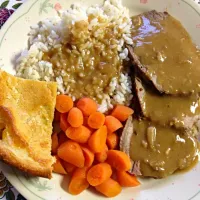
26	115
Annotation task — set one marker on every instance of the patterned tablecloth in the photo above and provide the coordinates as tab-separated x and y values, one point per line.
7	7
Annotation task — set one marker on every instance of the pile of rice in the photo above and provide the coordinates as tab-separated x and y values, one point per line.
54	32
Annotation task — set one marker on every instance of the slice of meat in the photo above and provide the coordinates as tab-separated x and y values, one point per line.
181	112
159	151
164	54
125	146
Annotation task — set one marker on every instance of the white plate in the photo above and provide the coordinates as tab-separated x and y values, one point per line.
13	38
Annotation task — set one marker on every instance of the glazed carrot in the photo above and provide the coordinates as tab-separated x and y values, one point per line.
112	140
78	181
99	173
85	123
119	160
110	188
62	137
127	180
57	166
63	122
64	103
75	117
96	120
71	152
54	144
89	156
87	106
122	112
68	167
80	134
102	156
112	123
56	116
97	140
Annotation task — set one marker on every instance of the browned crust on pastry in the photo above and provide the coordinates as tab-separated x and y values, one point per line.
31	166
28	166
25	139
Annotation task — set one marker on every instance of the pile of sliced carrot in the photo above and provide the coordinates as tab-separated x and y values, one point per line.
86	147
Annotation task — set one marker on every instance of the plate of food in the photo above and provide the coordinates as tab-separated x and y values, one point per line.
100	99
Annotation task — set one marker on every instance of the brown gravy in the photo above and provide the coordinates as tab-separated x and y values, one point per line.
161	151
178	111
165	49
87	66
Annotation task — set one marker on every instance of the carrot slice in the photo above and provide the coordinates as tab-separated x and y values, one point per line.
110	188
119	160
80	134
102	156
78	181
54	144
63	122
68	167
112	123
122	112
99	173
62	137
89	156
57	166
97	140
56	116
96	120
64	103
71	152
127	180
75	117
112	140
87	106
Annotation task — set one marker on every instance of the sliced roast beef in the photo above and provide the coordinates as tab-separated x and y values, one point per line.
166	110
125	145
164	54
157	151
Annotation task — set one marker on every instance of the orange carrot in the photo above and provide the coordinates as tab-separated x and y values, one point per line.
71	152
122	112
56	116
119	160
64	103
68	167
89	156
110	188
97	140
62	137
54	144
102	156
80	134
127	180
96	120
75	117
78	181
99	173
85	123
63	122
57	166
87	106
112	140
112	123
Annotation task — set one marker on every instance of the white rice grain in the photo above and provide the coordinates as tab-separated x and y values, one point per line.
53	33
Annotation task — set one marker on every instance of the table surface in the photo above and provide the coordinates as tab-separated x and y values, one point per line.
7	7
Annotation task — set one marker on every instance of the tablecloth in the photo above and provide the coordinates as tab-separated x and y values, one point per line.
7	7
